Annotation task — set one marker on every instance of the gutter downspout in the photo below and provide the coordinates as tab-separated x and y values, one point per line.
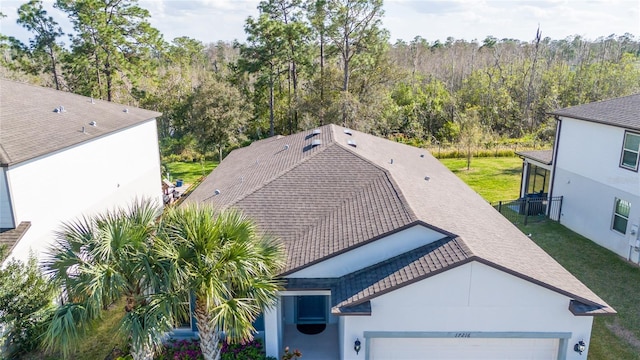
554	158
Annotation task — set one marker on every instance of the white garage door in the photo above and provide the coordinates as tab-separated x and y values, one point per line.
463	348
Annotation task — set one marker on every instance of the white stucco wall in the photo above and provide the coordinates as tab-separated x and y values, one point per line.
371	253
587	208
593	151
472	297
6	215
105	173
589	178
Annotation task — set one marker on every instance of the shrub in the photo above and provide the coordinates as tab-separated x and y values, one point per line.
190	350
26	303
181	350
252	350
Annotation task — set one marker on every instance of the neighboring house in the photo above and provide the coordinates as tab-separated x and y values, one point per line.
387	247
594	167
64	156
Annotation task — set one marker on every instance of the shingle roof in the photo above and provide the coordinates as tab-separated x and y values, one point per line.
362	285
622	112
10	237
325	200
543	156
30	127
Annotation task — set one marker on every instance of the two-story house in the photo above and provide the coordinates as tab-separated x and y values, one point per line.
594	167
63	156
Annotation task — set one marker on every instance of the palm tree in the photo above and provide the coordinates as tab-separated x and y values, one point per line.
106	257
227	265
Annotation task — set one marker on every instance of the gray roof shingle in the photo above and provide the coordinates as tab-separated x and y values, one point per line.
29	126
543	156
621	112
325	200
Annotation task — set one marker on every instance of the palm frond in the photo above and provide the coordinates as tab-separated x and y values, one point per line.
68	324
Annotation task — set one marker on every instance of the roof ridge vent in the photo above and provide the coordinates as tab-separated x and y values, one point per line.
316	142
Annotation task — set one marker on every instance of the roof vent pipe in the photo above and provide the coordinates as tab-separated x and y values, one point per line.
83	131
391	161
216	192
286	146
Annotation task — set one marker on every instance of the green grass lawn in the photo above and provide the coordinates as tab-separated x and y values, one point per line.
494	179
101	340
190	172
612	278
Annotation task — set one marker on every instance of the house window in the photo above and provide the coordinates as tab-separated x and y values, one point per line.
184	313
621	216
630	150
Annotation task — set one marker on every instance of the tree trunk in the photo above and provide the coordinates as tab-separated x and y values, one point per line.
345	83
144	352
271	130
209	339
54	64
322	77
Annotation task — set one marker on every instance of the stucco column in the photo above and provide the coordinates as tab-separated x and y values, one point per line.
271	330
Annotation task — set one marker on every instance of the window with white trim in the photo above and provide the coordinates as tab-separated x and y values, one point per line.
630	151
621	216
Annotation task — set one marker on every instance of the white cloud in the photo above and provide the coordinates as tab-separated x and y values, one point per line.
213	20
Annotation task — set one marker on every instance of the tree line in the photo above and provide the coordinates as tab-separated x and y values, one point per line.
307	63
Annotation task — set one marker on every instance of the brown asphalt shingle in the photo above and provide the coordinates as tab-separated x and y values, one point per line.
329	199
362	285
29	127
10	237
622	112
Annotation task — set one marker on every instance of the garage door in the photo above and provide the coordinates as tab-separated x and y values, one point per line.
463	348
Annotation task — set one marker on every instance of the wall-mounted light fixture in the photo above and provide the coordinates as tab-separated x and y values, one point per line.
580	347
357	346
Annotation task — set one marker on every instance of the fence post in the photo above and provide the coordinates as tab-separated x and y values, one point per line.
560	208
500	206
526	210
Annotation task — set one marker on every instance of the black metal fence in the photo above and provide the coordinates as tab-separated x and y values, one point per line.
530	208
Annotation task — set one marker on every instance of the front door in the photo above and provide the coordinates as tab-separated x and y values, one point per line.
311	309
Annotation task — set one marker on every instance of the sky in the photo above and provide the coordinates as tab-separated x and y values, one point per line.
214	20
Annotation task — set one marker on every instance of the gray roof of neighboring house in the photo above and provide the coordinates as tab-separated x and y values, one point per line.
327	199
10	237
30	127
622	112
543	156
